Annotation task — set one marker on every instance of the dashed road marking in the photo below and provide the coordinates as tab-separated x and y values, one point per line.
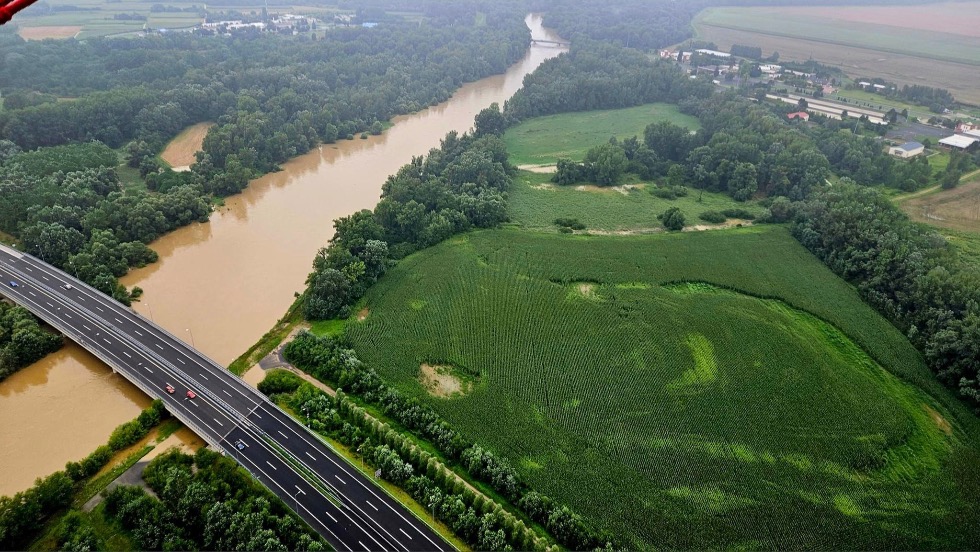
270	465
86	327
181	360
158	346
118	320
404	533
283	434
127	354
339	479
372	505
138	333
331	517
107	341
219	423
311	456
226	392
49	304
32	294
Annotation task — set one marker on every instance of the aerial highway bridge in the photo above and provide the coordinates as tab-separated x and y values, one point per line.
346	507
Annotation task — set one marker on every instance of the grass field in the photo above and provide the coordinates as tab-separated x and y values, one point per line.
535	203
956	209
696	390
543	140
934	45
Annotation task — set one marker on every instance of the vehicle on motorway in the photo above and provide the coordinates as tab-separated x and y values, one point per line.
240	444
191	394
170	389
14	284
68	286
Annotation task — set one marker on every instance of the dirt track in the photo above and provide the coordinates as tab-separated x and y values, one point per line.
180	151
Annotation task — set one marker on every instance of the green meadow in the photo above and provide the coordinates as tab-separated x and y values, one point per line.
542	140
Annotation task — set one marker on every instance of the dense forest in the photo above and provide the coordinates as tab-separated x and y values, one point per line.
81	220
205	502
273	97
22	340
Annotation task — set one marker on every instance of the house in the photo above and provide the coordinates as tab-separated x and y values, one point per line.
907	150
879	86
716	53
958	141
770	68
864	84
972	133
799	115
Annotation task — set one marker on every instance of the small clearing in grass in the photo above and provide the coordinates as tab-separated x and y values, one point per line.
180	151
363	314
439	381
941	422
587	289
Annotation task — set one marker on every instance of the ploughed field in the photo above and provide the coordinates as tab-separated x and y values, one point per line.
933	45
695	390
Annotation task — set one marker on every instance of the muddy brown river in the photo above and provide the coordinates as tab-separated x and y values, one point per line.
222	284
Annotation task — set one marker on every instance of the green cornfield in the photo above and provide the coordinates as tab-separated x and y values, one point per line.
696	390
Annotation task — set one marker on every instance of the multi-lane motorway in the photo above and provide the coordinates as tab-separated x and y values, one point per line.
340	503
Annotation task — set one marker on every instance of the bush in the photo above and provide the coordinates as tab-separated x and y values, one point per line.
279	381
738	213
672	219
574	224
714	217
669	192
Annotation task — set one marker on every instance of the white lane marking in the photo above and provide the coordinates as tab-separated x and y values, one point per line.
404	533
158	346
331	517
49	304
283	434
362	545
270	465
100	308
339	479
299	491
127	354
148	369
372	505
138	333
181	360
107	341
118	320
45	277
28	268
311	456
219	423
86	327
194	403
226	392
32	294
205	377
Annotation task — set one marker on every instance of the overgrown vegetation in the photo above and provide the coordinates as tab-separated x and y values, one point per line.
22	340
206	502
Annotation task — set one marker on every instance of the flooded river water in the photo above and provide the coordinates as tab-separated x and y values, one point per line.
220	285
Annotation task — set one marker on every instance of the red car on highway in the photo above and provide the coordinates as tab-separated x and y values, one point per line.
191	394
170	389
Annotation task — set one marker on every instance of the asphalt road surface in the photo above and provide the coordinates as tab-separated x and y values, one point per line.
340	503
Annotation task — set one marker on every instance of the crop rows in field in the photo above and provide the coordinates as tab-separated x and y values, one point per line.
625	378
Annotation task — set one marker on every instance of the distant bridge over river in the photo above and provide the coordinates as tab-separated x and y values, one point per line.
555	43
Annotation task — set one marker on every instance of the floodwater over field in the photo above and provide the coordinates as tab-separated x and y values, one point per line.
222	284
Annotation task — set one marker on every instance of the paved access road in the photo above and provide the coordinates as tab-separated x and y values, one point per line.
340	503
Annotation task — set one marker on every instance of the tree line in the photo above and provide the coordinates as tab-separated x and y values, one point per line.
595	75
460	185
333	362
905	271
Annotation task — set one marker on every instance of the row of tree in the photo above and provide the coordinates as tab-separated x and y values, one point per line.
332	362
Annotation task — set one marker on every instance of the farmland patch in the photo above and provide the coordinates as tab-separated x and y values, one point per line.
714	361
